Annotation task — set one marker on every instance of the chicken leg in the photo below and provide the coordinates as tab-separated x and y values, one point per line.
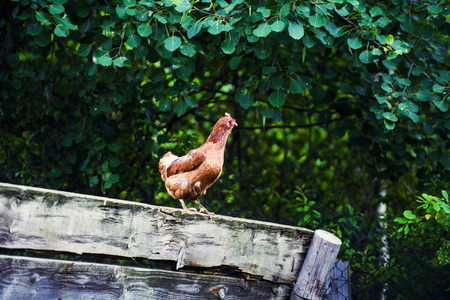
183	205
203	209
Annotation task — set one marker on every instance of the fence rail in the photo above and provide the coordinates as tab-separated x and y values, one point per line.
261	260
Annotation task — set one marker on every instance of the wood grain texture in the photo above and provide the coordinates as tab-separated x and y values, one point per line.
315	273
40	219
37	278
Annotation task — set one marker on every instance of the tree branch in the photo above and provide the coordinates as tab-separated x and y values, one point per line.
291	126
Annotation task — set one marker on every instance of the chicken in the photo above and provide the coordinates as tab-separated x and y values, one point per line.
188	177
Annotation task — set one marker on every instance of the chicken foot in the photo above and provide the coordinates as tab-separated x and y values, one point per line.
203	209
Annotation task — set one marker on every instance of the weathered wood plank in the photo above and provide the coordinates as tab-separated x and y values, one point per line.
37	278
40	219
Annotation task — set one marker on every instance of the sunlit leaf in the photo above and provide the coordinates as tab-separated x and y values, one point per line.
296	30
172	43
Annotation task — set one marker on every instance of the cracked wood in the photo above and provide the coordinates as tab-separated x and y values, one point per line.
37	278
40	219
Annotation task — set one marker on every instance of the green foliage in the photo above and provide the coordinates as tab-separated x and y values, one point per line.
428	227
347	98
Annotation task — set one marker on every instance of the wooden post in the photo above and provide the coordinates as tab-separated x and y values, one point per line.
316	268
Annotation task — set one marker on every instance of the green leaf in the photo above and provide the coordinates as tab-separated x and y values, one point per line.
376	11
263	50
423	95
389	64
445	195
67	140
317	20
277	26
41	16
409	25
43	38
390	116
441	104
121	11
129	3
333	29
406	229
264	11
61	31
55	172
427	31
190	102
435	9
113	178
216	27
183	6
144	29
444	76
377	52
366	57
99	143
267	112
119	61
229	44
133	40
165	104
277	98
172	43
263	30
188	49
308	42
234	62
246	101
296	30
389	125
409	105
297	86
102	57
195	29
354	43
389	39
114	162
387	88
180	108
437	88
56	9
84	49
401	221
115	147
276	81
409	215
93	180
34	29
410	114
140	52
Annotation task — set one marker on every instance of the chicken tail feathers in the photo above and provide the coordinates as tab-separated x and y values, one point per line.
164	163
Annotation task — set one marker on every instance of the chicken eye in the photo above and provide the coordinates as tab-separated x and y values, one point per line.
229	124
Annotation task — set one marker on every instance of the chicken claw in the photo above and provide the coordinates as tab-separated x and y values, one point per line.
203	209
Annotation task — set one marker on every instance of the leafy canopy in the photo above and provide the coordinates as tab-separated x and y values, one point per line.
346	98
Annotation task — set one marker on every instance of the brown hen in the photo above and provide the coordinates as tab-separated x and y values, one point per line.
188	177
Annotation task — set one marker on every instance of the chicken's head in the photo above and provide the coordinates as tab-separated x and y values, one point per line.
230	121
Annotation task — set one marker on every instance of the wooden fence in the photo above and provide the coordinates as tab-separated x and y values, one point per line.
222	258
